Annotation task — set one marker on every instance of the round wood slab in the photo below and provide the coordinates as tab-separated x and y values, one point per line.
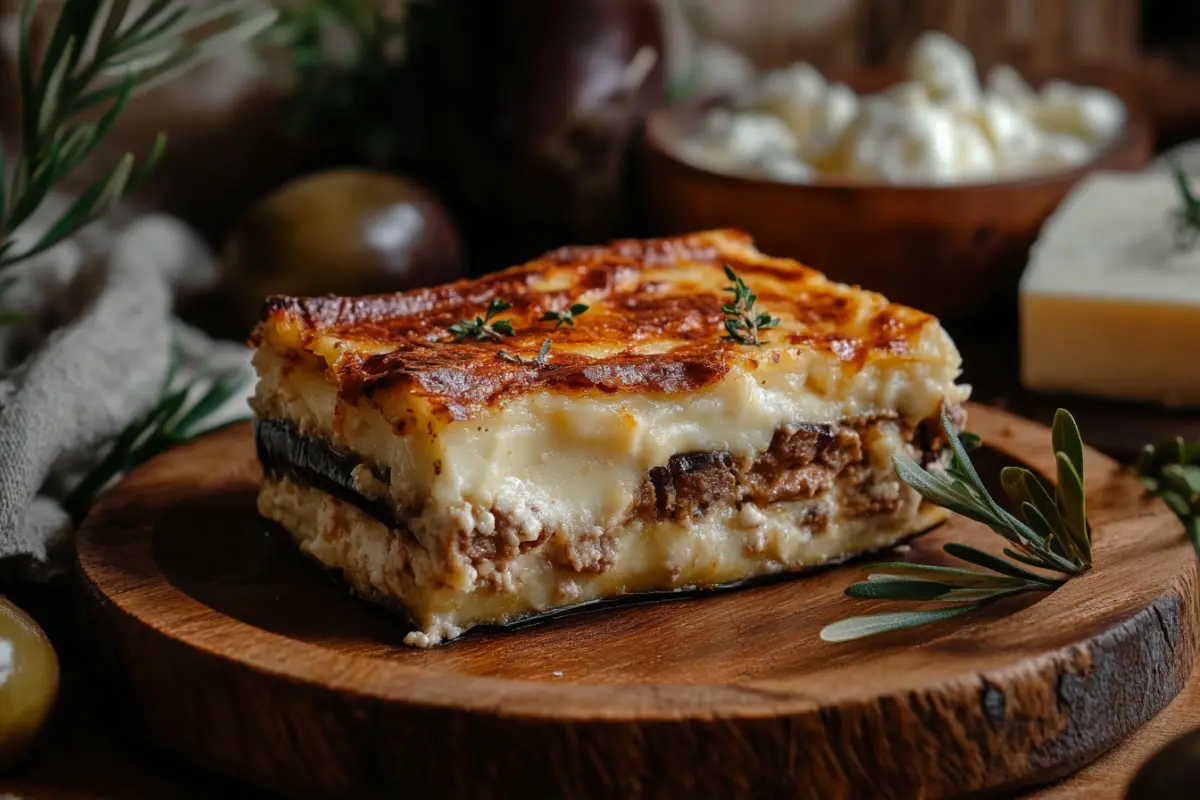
243	657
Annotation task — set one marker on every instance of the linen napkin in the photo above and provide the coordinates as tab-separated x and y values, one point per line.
88	354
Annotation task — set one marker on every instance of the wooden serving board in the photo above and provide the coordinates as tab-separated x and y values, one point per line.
241	656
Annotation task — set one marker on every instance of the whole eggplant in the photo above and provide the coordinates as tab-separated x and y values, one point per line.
528	111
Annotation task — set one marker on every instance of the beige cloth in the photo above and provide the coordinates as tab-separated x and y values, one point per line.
88	356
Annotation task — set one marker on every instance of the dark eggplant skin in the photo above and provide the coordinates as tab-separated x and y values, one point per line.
1173	773
528	111
284	452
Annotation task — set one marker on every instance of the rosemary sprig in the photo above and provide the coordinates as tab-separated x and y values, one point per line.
101	53
179	415
539	361
1187	215
566	316
1049	533
1170	470
741	323
482	328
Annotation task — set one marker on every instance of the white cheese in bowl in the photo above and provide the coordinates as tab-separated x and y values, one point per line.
1110	302
938	126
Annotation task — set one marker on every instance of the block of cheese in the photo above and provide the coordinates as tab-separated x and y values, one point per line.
1110	303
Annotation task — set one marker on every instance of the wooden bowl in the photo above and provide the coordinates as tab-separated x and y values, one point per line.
946	249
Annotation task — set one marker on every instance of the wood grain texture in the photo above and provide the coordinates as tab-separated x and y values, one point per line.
241	657
1039	35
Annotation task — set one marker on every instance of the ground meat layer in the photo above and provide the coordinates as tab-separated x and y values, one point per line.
803	462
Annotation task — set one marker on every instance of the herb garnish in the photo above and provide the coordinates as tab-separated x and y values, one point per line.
565	317
1051	534
538	361
98	57
179	415
1170	470
741	323
482	328
1187	215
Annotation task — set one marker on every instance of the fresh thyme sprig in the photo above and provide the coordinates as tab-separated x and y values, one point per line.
1050	534
539	361
741	323
482	328
1170	470
179	415
566	316
100	54
1187	214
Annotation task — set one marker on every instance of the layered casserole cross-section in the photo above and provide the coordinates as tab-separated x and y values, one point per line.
471	482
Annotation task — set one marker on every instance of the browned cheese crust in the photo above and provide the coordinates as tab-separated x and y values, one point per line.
643	295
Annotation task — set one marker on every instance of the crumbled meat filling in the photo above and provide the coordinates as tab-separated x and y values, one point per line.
689	484
588	552
499	545
802	462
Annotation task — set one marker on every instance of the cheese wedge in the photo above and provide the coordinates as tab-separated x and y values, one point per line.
1110	302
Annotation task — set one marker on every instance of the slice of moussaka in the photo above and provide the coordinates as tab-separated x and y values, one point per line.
649	416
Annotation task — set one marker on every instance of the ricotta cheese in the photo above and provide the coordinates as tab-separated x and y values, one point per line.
938	126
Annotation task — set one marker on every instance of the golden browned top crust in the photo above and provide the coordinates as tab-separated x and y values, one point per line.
654	324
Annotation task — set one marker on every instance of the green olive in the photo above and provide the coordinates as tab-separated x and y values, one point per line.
345	232
28	682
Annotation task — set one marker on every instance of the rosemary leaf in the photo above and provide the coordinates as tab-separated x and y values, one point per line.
1025	558
965	576
890	587
1051	535
1071	503
1066	439
974	555
899	589
87	48
1170	470
859	627
1022	487
174	419
1184	478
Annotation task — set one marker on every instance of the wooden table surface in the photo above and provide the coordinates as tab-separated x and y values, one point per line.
89	752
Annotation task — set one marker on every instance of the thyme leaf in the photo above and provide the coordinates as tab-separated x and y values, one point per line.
742	323
482	328
566	316
538	361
